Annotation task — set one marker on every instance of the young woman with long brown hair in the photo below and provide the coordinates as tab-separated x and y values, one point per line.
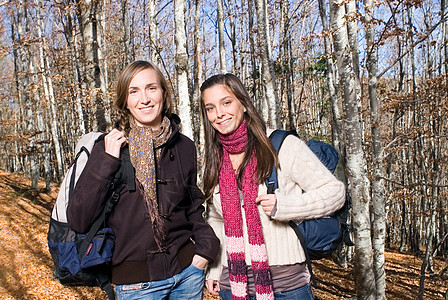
162	241
261	256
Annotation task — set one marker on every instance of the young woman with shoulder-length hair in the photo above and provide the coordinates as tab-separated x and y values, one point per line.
162	243
261	256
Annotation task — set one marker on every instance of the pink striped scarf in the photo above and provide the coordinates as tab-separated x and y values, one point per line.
233	221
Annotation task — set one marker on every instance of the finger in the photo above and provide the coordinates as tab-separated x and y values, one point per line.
260	198
212	287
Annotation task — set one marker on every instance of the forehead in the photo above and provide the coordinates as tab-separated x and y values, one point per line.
144	77
217	93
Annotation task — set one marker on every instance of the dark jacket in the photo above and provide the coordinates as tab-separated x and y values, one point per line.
135	257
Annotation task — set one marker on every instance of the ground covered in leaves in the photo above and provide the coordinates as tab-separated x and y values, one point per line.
26	265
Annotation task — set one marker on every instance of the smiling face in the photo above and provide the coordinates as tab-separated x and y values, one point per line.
224	111
145	99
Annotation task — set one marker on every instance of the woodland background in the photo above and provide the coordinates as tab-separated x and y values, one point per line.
369	77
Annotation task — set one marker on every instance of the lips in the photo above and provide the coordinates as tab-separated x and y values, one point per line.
223	122
148	108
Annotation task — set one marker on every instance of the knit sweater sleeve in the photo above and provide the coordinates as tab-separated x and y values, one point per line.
307	189
217	223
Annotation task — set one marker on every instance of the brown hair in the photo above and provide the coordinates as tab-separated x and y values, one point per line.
122	92
256	136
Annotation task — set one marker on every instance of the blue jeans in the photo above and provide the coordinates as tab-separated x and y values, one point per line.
186	285
302	293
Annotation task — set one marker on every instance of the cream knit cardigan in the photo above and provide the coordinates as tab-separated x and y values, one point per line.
307	190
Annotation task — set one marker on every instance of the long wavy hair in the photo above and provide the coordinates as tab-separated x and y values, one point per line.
122	92
256	136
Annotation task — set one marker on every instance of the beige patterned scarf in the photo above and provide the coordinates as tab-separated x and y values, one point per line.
144	149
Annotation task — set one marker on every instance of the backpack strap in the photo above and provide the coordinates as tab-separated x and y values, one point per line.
305	249
277	137
124	177
114	187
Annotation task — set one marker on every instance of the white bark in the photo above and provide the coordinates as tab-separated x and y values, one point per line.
378	188
331	82
181	63
49	95
103	61
126	32
233	37
267	70
222	49
153	33
358	183
88	18
197	71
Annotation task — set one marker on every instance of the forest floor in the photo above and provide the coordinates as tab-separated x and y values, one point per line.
26	265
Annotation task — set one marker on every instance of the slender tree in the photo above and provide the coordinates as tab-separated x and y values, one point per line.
378	188
358	183
268	75
221	45
181	63
88	21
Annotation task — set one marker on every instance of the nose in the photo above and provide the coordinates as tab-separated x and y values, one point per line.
145	98
219	112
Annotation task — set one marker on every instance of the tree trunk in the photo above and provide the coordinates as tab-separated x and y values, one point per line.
444	9
255	91
88	16
358	183
197	71
50	99
128	53
336	119
378	188
26	67
181	63
233	38
267	71
153	33
103	61
221	46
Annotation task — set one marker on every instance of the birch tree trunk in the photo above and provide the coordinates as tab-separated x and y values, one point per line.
153	33
267	71
49	94
197	72
16	30
444	9
378	188
181	64
288	92
88	18
222	49
25	68
129	57
336	119
358	183
233	37
103	60
251	38
82	122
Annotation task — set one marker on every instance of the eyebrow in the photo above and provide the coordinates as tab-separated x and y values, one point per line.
149	84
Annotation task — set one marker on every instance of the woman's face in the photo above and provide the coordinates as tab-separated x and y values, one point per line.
224	111
145	99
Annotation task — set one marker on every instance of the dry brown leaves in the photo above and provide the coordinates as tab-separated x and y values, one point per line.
26	270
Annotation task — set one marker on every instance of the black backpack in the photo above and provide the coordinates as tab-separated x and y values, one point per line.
318	237
83	259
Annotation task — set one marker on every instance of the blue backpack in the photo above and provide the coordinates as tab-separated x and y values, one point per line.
84	259
318	237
